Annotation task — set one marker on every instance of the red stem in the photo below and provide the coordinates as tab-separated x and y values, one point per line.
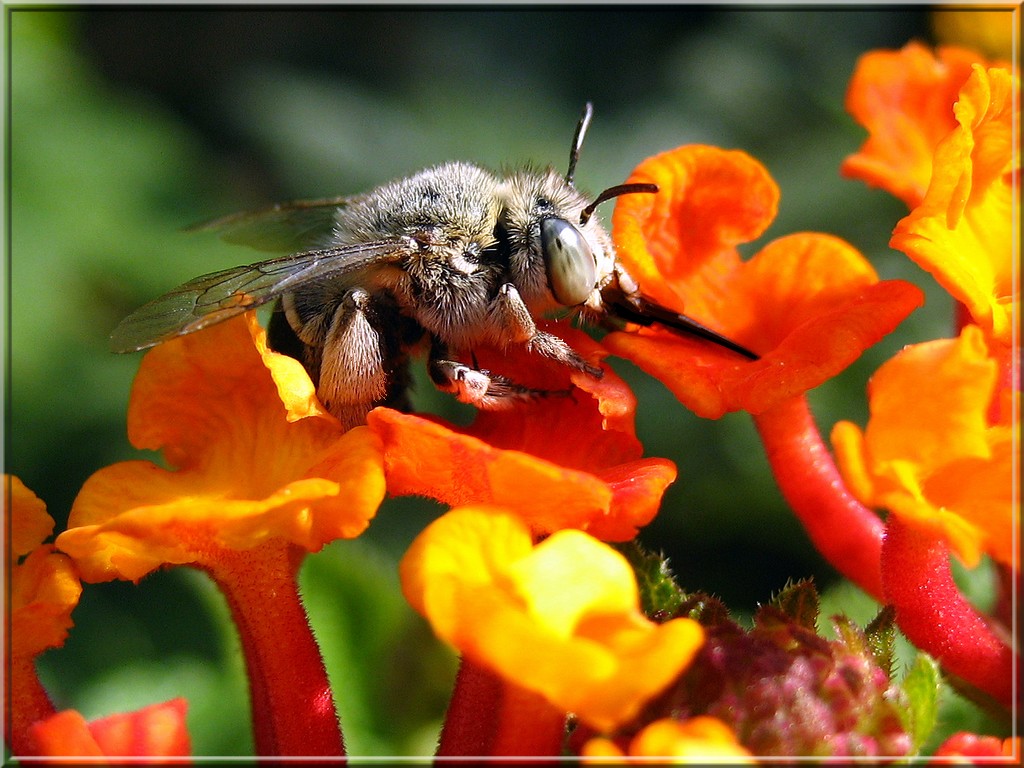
292	706
936	618
847	533
26	703
490	717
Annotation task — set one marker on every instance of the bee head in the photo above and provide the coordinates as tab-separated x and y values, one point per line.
559	255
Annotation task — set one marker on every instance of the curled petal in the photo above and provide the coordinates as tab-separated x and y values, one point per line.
569	459
44	590
426	458
815	305
964	231
207	399
44	587
561	619
905	100
133	517
680	243
929	453
255	459
29	522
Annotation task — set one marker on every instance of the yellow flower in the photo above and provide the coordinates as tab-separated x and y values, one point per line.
700	740
930	454
964	231
255	458
561	618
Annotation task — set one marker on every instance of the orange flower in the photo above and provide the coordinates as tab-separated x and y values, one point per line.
262	475
905	100
568	460
256	458
44	586
964	231
561	618
700	740
808	303
151	732
43	590
929	453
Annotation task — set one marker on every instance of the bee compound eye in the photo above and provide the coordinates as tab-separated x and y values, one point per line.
571	270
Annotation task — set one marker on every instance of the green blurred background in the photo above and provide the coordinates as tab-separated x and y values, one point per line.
127	125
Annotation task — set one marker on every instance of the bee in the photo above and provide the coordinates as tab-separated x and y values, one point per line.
454	256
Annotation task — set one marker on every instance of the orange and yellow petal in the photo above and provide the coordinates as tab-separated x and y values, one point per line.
152	732
964	231
581	421
255	459
929	452
427	458
44	586
27	520
680	244
44	590
700	740
569	459
221	401
561	618
904	98
814	305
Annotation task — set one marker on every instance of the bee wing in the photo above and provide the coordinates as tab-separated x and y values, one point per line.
218	296
291	226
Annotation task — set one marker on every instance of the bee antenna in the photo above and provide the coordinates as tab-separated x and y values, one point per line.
616	191
577	141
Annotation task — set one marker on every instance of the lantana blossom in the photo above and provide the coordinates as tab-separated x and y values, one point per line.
561	618
44	590
964	231
929	452
937	452
262	474
568	459
807	303
254	458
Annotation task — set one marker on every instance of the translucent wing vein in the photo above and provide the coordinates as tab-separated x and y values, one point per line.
215	297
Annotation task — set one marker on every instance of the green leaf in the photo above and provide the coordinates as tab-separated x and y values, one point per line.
921	686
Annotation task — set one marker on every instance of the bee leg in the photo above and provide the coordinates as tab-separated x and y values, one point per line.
513	319
471	385
362	363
